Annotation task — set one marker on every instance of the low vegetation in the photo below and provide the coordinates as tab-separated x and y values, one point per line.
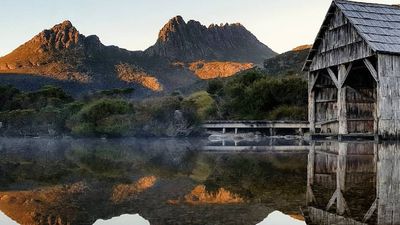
256	96
50	111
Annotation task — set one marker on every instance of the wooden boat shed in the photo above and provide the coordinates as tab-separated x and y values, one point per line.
354	71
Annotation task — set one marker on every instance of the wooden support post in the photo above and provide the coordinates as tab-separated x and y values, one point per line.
271	132
371	211
314	79
310	198
374	205
236	130
344	78
311	103
341	205
374	74
371	69
223	130
333	77
342	103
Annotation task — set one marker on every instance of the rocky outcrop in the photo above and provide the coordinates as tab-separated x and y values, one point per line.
211	70
193	41
302	47
200	195
134	74
61	36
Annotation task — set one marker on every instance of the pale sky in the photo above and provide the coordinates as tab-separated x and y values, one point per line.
134	24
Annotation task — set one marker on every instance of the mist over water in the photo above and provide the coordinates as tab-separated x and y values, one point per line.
195	181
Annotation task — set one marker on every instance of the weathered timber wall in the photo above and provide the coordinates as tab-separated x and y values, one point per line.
321	217
326	104
388	185
389	96
340	44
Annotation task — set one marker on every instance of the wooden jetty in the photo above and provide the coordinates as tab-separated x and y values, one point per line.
255	149
271	128
354	71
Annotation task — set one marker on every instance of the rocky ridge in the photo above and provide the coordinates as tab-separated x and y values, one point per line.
193	41
63	55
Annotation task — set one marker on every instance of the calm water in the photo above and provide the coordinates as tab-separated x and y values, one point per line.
163	181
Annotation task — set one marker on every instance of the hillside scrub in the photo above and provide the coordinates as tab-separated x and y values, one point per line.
51	112
251	95
101	117
255	96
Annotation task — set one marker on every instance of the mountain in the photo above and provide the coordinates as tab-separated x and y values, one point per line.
193	41
288	63
63	56
62	53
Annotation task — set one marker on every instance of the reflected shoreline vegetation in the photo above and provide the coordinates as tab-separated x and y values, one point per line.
191	181
165	181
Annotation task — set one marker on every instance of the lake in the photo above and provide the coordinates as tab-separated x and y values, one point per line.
196	181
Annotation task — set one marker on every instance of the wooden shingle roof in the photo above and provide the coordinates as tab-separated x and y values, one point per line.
378	24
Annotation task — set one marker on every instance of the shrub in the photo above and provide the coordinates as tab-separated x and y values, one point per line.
100	117
215	87
253	95
83	129
115	125
288	113
103	108
159	109
7	94
203	104
19	118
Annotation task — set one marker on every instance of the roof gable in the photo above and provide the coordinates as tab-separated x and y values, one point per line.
377	24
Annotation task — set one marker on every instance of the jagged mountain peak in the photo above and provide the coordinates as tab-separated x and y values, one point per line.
66	24
60	36
193	41
172	26
221	25
177	19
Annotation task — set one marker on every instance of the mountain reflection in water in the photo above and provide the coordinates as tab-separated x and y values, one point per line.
69	182
165	181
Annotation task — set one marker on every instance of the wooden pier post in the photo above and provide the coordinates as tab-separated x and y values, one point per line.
342	109
310	198
271	132
341	205
311	102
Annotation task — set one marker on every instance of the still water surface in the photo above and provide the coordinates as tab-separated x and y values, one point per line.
164	181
